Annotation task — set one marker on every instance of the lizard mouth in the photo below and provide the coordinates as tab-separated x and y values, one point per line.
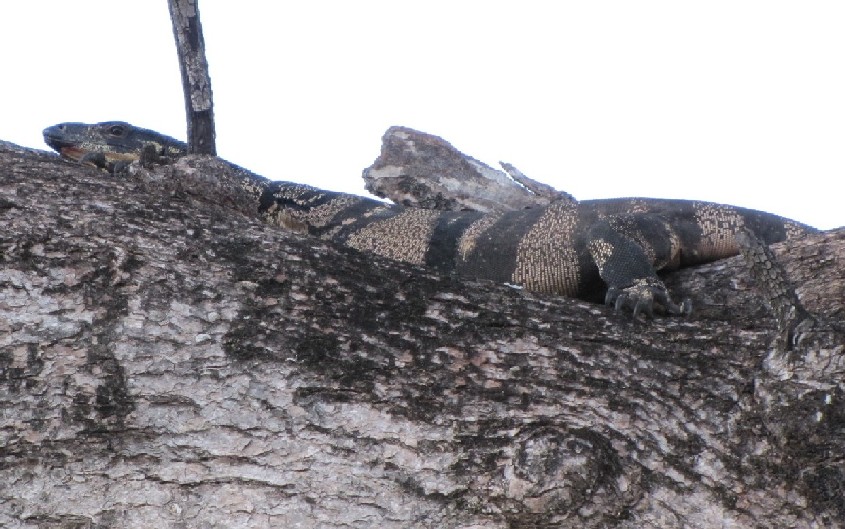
66	150
53	137
71	152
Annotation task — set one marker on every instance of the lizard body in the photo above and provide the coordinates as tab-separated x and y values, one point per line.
567	247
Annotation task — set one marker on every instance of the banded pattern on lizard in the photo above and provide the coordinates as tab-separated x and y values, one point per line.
568	248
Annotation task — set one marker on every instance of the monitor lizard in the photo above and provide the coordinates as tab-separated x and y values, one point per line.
568	247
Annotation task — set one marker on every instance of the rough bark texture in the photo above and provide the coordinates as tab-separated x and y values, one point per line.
168	361
425	171
196	81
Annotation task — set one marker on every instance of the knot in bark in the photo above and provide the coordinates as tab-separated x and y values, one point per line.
557	470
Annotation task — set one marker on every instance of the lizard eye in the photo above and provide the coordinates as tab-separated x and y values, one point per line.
117	130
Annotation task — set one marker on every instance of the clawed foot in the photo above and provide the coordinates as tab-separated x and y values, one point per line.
642	295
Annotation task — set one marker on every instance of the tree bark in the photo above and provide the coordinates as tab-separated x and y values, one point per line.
422	170
166	360
196	81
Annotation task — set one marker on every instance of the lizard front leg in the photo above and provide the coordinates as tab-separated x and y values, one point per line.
117	163
626	250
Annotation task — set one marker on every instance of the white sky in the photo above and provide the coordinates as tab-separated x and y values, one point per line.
732	101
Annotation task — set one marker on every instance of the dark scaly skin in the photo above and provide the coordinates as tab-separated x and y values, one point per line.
111	144
567	248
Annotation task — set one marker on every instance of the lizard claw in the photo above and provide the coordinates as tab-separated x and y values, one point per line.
642	296
646	306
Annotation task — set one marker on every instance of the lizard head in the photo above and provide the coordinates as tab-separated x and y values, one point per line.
116	141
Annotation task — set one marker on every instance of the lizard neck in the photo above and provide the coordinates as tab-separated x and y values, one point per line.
308	209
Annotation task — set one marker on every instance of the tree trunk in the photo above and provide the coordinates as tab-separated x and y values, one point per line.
196	81
166	360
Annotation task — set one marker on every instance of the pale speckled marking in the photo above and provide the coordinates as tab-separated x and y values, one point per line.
546	260
635	205
794	230
674	261
252	186
469	238
600	250
626	226
317	216
405	237
321	215
647	244
719	224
